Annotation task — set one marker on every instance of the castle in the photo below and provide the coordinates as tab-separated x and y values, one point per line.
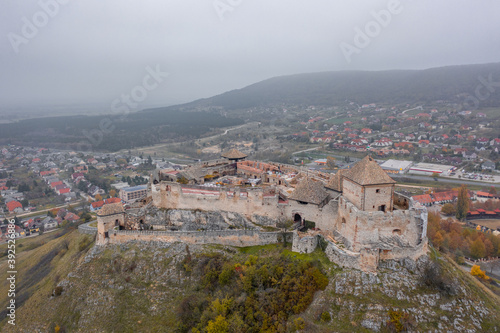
356	212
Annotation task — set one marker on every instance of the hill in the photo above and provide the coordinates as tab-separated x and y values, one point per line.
334	88
140	287
454	84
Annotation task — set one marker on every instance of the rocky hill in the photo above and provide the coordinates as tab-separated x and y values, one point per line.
147	287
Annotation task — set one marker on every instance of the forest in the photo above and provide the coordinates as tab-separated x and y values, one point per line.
113	132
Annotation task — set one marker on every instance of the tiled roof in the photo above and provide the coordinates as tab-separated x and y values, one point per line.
423	199
11	205
335	182
368	172
233	154
110	209
309	191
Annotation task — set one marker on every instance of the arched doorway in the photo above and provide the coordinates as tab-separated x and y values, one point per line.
298	219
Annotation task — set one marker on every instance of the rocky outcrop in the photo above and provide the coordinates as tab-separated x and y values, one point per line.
198	220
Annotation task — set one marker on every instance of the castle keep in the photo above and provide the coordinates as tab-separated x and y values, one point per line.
356	211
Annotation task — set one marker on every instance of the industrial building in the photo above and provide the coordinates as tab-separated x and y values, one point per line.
428	169
395	166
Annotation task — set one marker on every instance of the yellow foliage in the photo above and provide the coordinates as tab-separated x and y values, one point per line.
57	329
219	325
476	271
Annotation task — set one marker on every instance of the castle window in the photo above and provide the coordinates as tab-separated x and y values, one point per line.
343	220
381	208
377	190
396	232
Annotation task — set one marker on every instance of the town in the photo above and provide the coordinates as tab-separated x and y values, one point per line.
429	151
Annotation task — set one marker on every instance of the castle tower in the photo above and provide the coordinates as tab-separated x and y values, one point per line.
109	217
234	155
368	186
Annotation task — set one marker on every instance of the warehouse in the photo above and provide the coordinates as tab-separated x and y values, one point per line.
428	169
395	166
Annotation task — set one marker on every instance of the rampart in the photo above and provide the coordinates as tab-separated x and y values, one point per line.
396	234
237	238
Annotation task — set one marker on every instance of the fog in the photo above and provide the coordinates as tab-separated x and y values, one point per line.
80	56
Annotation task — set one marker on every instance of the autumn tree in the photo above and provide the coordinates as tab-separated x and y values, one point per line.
112	193
448	209
462	203
98	197
476	271
477	249
330	162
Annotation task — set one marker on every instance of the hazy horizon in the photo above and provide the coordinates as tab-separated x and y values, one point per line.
79	57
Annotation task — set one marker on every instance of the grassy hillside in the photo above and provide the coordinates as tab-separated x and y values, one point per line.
41	262
138	287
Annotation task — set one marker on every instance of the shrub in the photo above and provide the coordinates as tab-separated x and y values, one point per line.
400	321
476	271
58	291
432	276
326	317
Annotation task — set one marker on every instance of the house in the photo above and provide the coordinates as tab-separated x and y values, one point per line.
482	141
366	130
469	156
19	232
384	142
63	190
359	142
96	205
495	142
423	143
14	206
49	223
488	166
71	217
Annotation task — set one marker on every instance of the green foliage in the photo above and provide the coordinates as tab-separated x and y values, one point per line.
326	317
448	209
400	321
253	293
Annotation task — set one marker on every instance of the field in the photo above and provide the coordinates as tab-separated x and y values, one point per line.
492	224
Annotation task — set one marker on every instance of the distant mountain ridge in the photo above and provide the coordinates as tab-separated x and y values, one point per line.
451	83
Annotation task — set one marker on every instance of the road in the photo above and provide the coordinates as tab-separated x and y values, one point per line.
417	108
446	180
46	210
86	228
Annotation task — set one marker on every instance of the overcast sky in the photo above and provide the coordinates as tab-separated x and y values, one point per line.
90	52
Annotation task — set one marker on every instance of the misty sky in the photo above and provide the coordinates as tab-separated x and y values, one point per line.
90	52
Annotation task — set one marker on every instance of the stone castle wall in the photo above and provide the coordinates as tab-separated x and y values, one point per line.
366	237
252	202
224	237
394	233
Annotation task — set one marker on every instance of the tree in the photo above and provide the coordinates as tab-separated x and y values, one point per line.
477	249
462	203
98	197
448	209
219	325
493	190
330	162
25	203
112	193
